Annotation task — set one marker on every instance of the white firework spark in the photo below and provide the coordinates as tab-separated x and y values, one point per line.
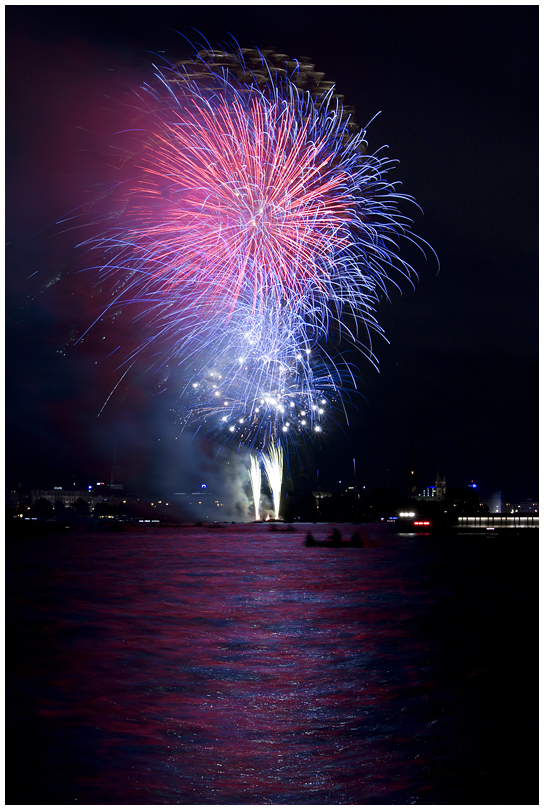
273	465
255	477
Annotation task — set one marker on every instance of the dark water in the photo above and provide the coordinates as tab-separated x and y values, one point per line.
233	665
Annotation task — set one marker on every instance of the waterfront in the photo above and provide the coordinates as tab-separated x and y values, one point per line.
232	665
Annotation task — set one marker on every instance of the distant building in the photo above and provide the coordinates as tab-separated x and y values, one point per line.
203	505
428	494
440	486
436	493
527	507
66	496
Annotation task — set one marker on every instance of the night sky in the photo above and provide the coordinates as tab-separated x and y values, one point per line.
456	88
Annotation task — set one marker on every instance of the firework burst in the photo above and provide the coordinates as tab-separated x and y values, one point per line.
254	198
257	229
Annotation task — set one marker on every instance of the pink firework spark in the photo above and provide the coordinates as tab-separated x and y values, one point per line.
254	205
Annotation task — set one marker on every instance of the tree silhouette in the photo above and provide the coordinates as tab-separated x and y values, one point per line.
42	509
81	508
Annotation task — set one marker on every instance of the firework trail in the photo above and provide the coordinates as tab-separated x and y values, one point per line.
255	478
257	232
273	467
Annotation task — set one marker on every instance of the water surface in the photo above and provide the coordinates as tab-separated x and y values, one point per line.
232	665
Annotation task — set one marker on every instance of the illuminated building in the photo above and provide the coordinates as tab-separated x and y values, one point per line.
68	497
527	507
440	486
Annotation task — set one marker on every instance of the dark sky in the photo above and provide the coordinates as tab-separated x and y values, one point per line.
457	91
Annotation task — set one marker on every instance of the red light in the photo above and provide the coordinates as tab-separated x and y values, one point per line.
422	522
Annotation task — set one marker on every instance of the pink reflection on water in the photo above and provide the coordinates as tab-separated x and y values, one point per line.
234	665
